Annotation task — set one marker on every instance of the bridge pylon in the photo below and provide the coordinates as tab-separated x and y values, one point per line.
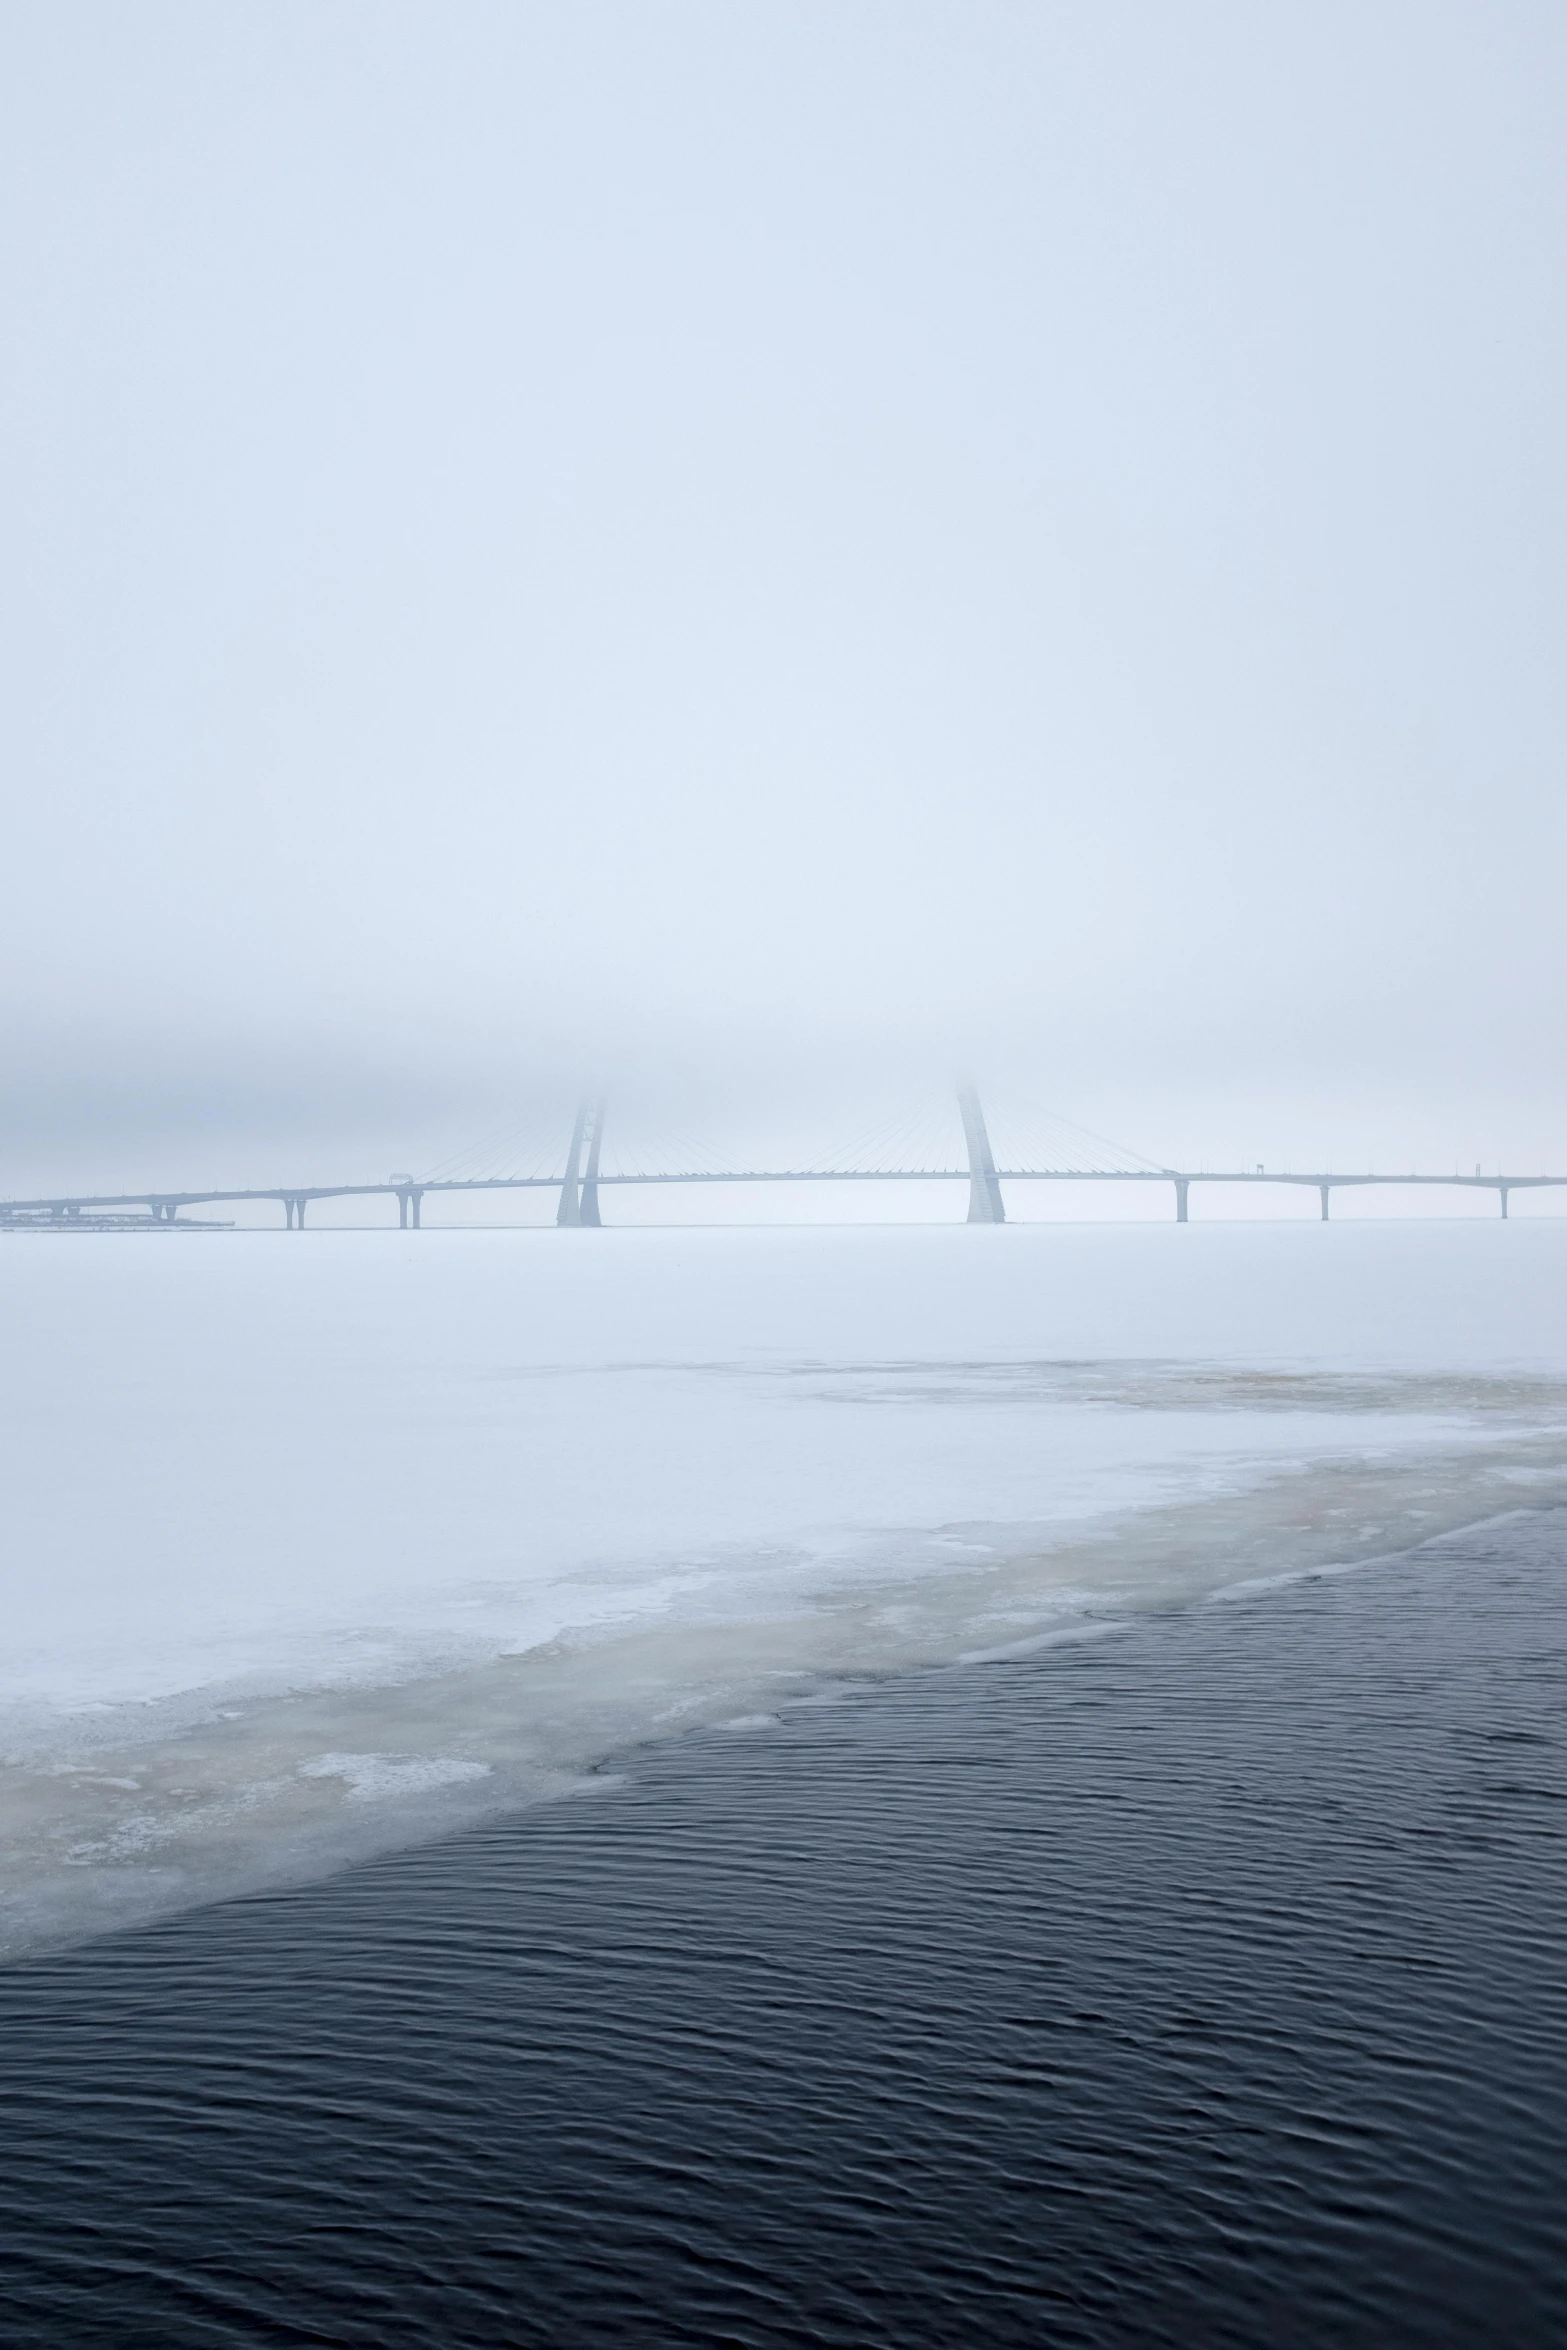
984	1185
579	1191
588	1209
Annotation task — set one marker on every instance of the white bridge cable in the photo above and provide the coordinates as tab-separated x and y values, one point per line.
535	1150
635	1146
928	1140
1043	1141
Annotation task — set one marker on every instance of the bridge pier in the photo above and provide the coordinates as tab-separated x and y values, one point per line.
1182	1186
415	1203
1501	1193
1324	1188
402	1211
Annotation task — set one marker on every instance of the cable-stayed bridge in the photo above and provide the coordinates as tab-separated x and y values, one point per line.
588	1171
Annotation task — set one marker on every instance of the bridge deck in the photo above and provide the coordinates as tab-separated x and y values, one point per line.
165	1203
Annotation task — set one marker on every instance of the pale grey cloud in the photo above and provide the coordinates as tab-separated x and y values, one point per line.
776	546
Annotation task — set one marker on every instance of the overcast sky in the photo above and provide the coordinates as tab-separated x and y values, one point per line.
780	550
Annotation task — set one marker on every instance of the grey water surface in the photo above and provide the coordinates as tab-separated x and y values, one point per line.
1203	1982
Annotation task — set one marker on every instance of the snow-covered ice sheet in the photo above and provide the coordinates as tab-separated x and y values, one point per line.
314	1540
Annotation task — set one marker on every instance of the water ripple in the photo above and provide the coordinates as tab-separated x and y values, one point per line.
1199	1986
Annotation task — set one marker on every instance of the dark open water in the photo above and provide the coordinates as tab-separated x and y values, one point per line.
1202	1986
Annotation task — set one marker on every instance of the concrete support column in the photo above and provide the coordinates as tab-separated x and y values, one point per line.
1324	1188
402	1211
299	1213
415	1202
1181	1189
1501	1193
288	1212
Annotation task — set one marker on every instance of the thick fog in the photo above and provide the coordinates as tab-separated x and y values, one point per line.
770	554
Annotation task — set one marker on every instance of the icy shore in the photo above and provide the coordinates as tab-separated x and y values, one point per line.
317	1542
